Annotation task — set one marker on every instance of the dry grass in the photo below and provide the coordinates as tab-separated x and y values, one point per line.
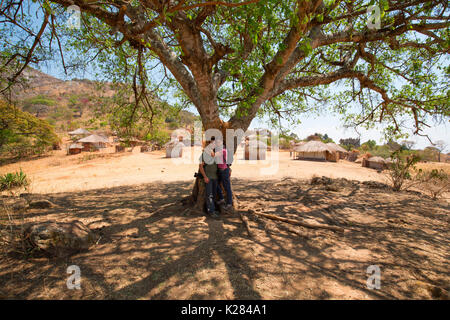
434	165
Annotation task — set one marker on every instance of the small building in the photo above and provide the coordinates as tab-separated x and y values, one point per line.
353	156
94	142
375	163
255	150
294	146
174	149
315	150
75	148
340	151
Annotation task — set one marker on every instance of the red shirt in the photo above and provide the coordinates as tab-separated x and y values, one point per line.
223	164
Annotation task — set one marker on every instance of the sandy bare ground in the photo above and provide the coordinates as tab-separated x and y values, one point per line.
61	173
151	247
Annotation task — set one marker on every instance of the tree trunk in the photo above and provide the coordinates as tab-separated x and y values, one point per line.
197	199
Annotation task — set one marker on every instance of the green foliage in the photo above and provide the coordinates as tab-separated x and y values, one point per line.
401	170
41	99
350	143
22	134
11	181
319	137
409	67
158	136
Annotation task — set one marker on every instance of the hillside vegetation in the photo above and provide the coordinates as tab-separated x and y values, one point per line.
68	105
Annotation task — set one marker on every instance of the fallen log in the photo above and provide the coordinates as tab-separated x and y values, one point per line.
296	222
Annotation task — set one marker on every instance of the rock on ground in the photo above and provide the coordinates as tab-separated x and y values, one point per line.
40	204
60	239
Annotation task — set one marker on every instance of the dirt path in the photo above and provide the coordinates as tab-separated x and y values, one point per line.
151	248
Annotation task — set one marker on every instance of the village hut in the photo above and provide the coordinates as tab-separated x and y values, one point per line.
315	150
342	153
75	148
93	142
294	146
255	150
79	132
375	163
353	155
174	149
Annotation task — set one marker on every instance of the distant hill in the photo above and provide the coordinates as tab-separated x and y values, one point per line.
70	104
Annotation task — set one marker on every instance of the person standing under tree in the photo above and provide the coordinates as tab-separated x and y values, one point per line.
208	169
224	174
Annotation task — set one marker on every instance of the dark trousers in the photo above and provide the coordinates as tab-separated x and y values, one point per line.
224	180
211	192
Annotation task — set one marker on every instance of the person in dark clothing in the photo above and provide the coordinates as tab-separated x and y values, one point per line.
208	169
224	175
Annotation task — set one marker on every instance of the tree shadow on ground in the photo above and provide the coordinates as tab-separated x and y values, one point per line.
151	247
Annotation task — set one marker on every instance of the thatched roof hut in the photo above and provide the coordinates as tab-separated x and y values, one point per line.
255	150
174	149
79	132
315	150
336	147
93	142
75	148
341	151
375	163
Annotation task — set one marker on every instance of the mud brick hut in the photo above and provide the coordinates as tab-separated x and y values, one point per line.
377	163
294	146
75	148
340	151
94	142
317	151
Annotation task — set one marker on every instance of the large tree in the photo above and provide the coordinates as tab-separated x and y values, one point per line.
237	59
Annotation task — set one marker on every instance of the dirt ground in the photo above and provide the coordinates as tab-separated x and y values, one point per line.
90	171
151	247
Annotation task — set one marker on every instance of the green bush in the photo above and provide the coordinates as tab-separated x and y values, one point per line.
10	181
401	170
159	136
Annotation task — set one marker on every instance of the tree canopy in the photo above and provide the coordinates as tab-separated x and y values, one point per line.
22	134
235	60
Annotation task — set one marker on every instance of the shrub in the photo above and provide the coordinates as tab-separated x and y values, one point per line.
401	170
11	181
434	182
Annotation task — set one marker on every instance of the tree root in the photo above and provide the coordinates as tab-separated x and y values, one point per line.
246	224
296	222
